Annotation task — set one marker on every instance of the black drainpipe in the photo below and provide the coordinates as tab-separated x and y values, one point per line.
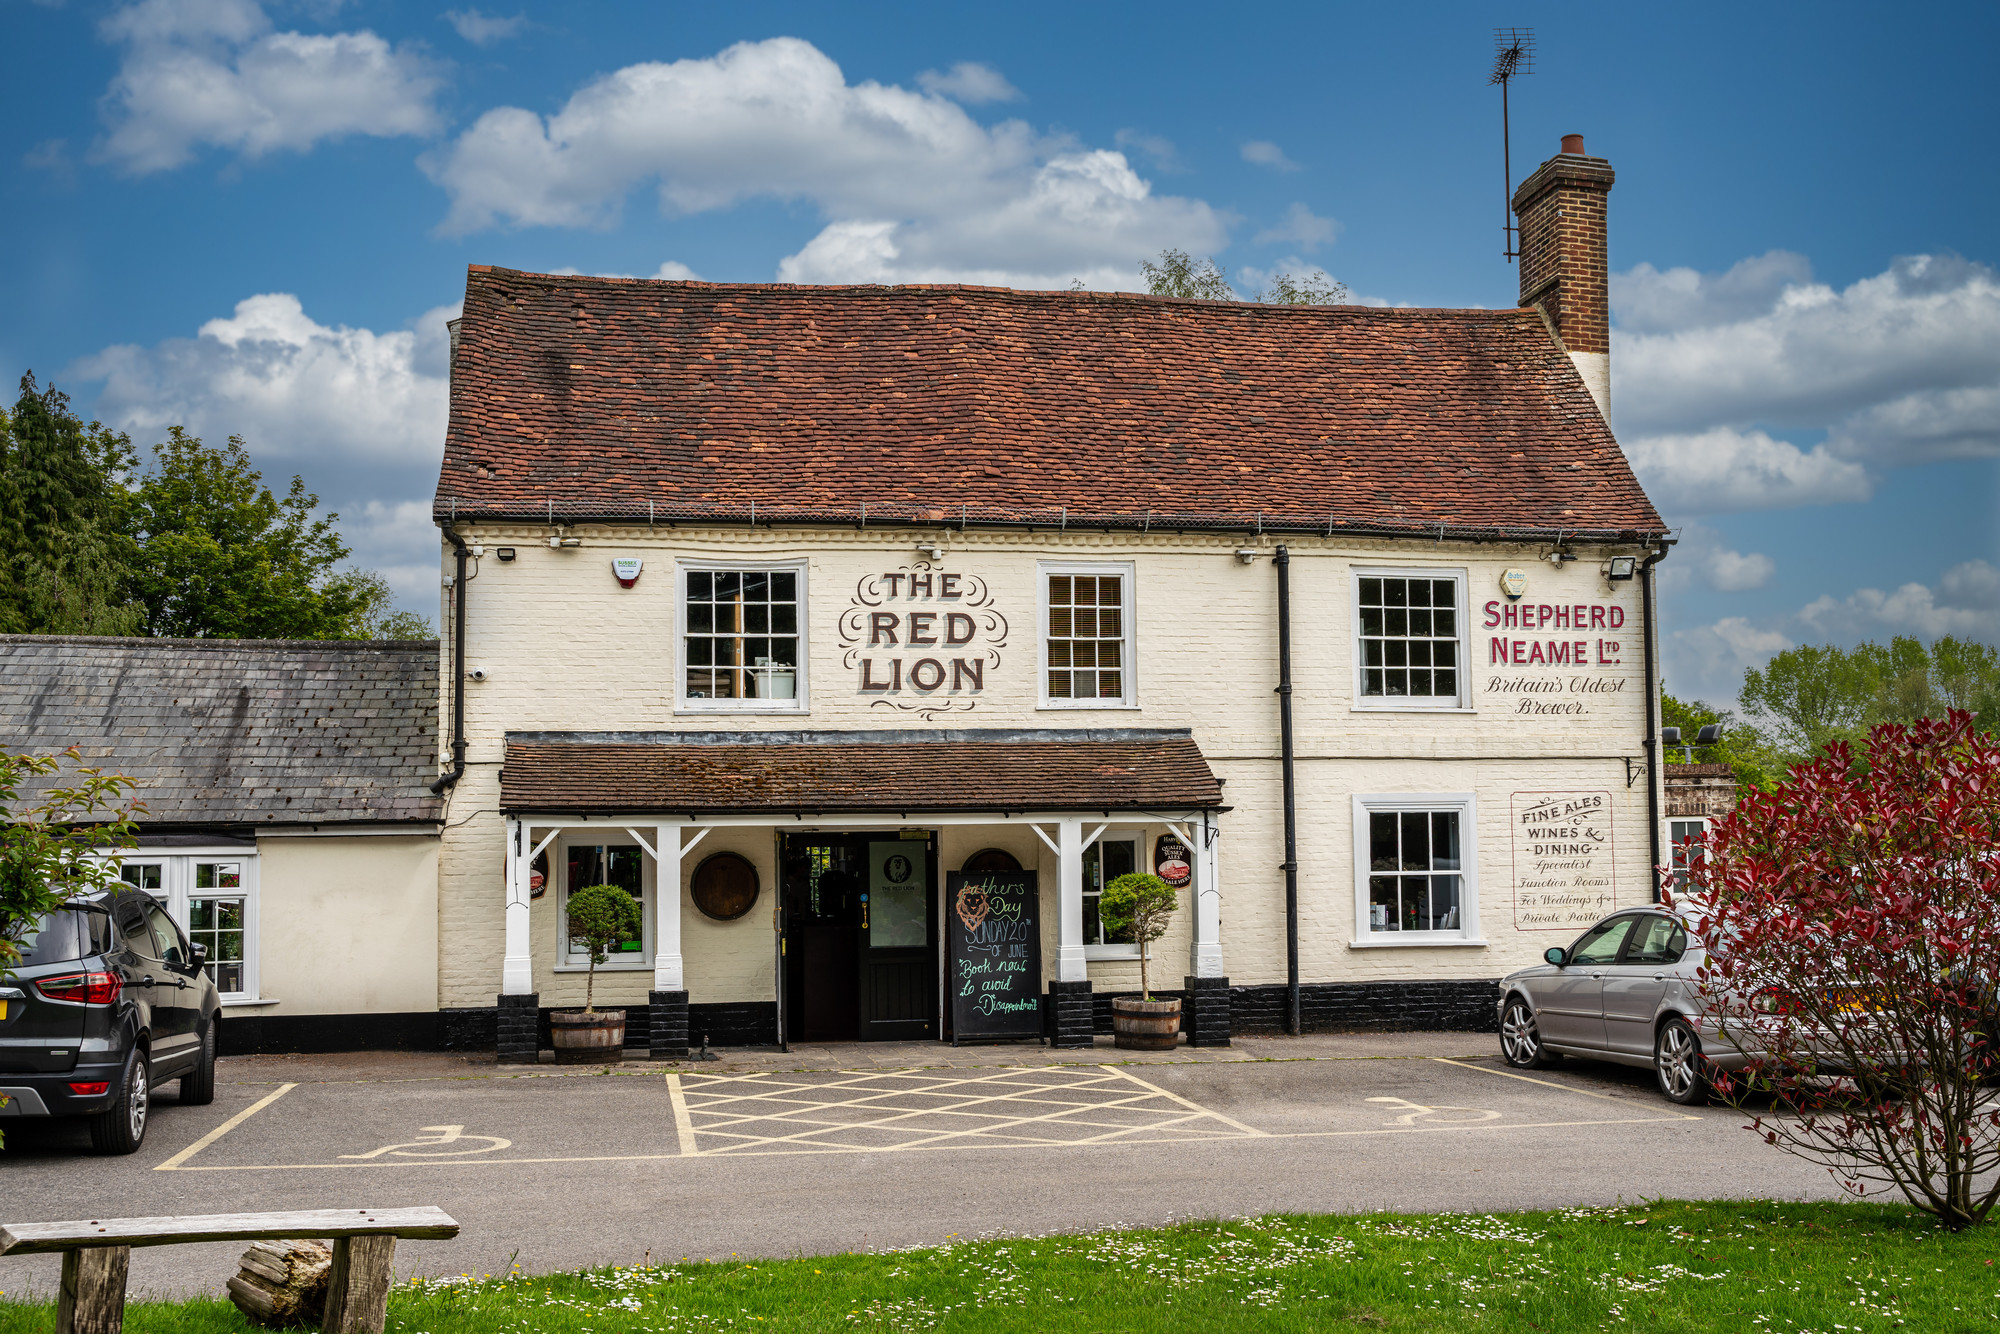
1283	560
457	772
1652	716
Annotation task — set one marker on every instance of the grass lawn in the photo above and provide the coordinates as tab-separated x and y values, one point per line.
1752	1268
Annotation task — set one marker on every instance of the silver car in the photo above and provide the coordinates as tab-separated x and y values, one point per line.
1626	991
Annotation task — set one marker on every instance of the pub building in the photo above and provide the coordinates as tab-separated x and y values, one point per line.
845	625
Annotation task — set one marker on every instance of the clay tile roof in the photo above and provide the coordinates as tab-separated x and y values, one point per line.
235	731
600	398
820	772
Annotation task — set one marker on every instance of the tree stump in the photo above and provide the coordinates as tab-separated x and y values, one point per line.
283	1283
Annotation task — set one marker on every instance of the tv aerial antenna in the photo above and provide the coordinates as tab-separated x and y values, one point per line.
1513	53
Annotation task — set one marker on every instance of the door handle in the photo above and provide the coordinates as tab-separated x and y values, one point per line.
1659	977
146	981
1597	977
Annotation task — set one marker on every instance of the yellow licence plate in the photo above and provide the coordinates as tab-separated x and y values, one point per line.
3	1011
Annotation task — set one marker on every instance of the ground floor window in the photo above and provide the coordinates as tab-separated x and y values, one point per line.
212	898
1415	877
1686	836
620	864
1103	862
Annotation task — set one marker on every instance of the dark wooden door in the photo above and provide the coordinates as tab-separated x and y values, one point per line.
822	922
897	945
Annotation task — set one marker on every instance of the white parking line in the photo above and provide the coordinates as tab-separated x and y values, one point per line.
1551	1084
173	1163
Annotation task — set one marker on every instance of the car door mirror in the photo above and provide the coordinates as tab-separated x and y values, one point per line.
200	953
1556	955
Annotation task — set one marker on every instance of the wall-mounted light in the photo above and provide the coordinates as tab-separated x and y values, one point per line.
504	553
1246	555
1620	567
1559	556
931	550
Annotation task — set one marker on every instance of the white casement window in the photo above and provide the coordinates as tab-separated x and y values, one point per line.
1684	837
1410	639
742	638
1087	636
621	864
1416	877
212	897
1103	862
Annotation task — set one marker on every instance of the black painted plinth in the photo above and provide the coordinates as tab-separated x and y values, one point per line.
667	1025
1069	1014
1205	1011
519	1034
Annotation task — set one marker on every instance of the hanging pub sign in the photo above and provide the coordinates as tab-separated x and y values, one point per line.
1172	861
993	926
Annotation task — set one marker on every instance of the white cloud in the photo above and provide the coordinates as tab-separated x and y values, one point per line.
211	72
1966	603
1897	369
1157	149
913	188
971	83
484	29
1708	661
672	271
1267	154
1735	572
361	415
1724	469
1302	225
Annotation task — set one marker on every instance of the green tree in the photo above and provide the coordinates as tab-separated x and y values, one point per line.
1814	695
222	557
1810	695
1315	288
601	916
64	557
378	618
1180	274
1143	904
1742	747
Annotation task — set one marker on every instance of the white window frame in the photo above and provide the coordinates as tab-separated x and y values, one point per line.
1365	703
1101	949
568	961
177	889
1674	867
801	701
1466	804
1128	612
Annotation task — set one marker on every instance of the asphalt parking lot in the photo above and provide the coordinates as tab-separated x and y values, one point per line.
550	1168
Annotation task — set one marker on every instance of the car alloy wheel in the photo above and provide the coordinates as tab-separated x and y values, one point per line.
1677	1060
1520	1040
137	1100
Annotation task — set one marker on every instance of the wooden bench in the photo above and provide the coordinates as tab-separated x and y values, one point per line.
97	1253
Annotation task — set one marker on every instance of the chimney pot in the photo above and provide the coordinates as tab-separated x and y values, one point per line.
1573	143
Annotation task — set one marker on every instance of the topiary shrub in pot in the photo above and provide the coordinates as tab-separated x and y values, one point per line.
600	916
1143	904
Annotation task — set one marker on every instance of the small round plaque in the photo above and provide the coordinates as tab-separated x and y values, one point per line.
724	886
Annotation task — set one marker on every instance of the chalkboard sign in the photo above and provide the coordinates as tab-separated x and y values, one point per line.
995	966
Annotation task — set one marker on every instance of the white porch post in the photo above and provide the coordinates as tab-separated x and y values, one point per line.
517	973
667	971
1207	950
1070	966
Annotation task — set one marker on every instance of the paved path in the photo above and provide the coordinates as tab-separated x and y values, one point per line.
866	1147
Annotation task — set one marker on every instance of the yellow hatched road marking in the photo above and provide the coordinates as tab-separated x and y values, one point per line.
683	1127
173	1164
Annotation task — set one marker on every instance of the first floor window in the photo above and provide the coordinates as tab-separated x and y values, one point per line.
740	641
1414	867
1103	862
619	864
1409	640
1686	837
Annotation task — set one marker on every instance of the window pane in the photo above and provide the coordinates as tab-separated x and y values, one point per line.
1059	653
1444	593
1109	590
1395	592
756	586
1445	684
757	619
1371	620
146	877
1084	621
1371	592
785	618
1416	841
1382	912
1443	624
1444	840
1059	589
784	586
701	585
1059	622
1396	623
1371	682
1059	685
1382	841
701	618
1444	903
1110	685
1083	653
728	585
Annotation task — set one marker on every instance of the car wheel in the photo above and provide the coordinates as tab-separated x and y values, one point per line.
1679	1064
122	1127
198	1084
1521	1040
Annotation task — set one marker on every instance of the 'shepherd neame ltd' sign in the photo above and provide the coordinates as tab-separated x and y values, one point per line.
1563	872
995	965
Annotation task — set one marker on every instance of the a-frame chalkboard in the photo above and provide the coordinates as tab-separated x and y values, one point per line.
994	968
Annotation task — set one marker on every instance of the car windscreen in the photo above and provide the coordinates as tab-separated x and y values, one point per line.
63	937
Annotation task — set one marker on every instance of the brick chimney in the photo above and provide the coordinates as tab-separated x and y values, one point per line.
1565	267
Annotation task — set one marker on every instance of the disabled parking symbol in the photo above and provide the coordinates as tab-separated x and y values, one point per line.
435	1146
1442	1114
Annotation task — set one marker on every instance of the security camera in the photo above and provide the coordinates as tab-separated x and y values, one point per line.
477	673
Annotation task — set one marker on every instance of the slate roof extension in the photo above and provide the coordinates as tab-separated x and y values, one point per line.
577	398
233	731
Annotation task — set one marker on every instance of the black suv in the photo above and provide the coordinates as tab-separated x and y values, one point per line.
109	1000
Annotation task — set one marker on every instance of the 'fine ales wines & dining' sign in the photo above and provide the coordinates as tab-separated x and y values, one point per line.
1563	860
995	966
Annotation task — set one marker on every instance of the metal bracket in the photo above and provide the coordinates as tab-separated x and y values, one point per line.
1631	774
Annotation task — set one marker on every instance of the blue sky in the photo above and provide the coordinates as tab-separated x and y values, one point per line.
254	219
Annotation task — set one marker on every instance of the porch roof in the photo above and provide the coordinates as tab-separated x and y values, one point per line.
891	771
